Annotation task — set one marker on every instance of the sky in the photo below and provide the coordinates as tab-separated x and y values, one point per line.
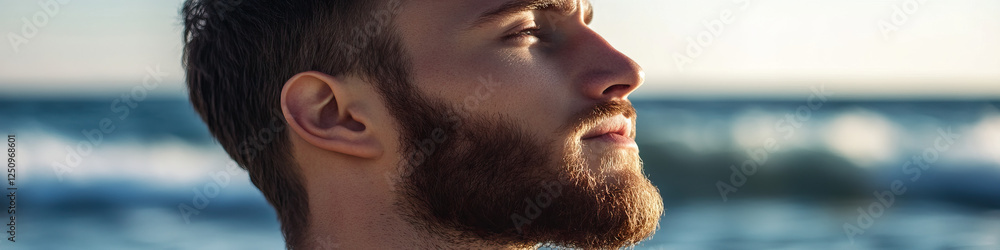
688	48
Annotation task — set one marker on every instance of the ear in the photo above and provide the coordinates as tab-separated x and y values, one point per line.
320	110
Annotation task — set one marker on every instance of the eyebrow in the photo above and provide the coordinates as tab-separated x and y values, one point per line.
517	6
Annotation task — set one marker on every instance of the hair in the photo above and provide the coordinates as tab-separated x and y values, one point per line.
239	53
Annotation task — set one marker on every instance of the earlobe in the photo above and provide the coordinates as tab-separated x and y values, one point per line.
323	112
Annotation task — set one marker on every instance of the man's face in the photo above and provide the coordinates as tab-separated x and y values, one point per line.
518	129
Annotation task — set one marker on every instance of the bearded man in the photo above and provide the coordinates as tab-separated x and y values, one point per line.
399	124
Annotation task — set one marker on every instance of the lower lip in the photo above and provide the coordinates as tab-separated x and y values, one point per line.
615	139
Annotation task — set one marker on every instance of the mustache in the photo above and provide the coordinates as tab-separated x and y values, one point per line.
600	112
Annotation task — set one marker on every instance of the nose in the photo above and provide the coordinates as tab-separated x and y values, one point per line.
603	73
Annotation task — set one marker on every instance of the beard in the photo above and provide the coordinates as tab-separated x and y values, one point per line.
470	178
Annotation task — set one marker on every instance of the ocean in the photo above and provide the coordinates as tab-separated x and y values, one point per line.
821	172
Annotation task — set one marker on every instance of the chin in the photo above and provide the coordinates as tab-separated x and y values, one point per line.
613	163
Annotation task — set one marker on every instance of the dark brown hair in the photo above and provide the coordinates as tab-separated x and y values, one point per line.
239	53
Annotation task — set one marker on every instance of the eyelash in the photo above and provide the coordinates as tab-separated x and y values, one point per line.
532	31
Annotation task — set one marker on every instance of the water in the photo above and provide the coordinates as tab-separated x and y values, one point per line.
125	192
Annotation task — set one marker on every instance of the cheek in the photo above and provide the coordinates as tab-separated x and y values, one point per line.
534	95
527	89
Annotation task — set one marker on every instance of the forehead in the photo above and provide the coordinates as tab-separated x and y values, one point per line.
437	31
466	12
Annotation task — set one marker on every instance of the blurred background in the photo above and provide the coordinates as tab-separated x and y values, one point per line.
766	124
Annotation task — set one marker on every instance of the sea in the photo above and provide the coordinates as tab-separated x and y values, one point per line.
93	173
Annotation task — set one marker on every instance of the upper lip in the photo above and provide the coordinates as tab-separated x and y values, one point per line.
615	125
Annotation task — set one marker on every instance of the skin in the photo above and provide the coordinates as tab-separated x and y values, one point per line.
539	81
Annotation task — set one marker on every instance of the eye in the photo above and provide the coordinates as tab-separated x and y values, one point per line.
531	32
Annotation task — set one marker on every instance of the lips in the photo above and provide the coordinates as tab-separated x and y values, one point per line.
618	125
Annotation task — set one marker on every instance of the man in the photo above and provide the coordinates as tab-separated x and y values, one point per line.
425	123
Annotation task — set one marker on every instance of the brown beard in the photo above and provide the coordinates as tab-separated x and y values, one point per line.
469	178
